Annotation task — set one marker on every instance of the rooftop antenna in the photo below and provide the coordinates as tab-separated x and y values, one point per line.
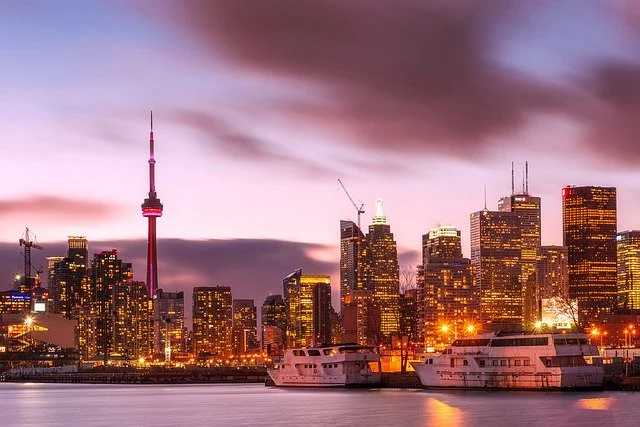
523	181
513	191
526	174
485	197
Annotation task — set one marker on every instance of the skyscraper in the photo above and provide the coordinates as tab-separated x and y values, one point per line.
305	305
628	248
496	244
589	223
152	209
69	279
528	209
168	319
212	320
383	275
447	291
107	271
553	278
322	312
353	265
245	323
132	328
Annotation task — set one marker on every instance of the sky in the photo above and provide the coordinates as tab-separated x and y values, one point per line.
259	107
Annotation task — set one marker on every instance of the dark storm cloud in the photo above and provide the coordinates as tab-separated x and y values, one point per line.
615	124
254	268
54	209
406	75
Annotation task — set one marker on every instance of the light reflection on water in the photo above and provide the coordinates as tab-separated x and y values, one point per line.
253	404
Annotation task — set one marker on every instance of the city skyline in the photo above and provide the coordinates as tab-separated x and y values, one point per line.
219	147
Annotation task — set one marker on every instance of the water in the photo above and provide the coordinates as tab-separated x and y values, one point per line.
254	404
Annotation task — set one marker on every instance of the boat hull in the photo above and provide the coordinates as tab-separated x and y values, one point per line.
591	377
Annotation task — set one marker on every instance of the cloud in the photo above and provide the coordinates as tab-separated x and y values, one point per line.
403	76
55	209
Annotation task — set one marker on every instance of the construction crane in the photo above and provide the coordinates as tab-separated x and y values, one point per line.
360	209
28	244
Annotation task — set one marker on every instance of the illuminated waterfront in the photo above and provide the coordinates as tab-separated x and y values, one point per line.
247	405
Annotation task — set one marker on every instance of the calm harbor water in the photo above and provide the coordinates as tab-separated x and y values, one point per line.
254	404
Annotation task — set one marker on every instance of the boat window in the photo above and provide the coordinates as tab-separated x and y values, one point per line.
471	343
517	362
481	363
430	361
335	365
503	362
495	363
453	362
527	362
465	362
314	352
327	351
519	342
298	353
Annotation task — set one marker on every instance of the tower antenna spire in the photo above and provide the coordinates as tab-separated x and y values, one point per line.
522	181
485	197
513	191
526	179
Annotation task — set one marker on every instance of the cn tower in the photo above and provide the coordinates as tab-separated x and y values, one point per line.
151	209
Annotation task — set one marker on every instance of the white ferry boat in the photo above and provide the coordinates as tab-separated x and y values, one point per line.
515	361
341	365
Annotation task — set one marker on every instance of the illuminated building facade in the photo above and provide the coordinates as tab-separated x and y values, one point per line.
69	279
272	340
552	273
442	242
132	327
322	312
353	260
589	223
447	292
245	326
383	274
212	320
628	252
107	271
273	312
528	208
359	318
495	258
14	302
408	313
303	308
152	209
168	318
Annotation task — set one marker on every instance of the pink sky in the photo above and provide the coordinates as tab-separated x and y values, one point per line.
258	110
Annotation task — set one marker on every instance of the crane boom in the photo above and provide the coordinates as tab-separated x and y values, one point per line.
360	209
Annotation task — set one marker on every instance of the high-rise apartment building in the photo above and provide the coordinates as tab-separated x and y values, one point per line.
628	252
273	319
589	223
107	271
168	320
447	294
322	312
359	320
305	306
552	274
528	208
245	324
353	262
212	320
383	275
69	279
442	242
496	245
132	321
